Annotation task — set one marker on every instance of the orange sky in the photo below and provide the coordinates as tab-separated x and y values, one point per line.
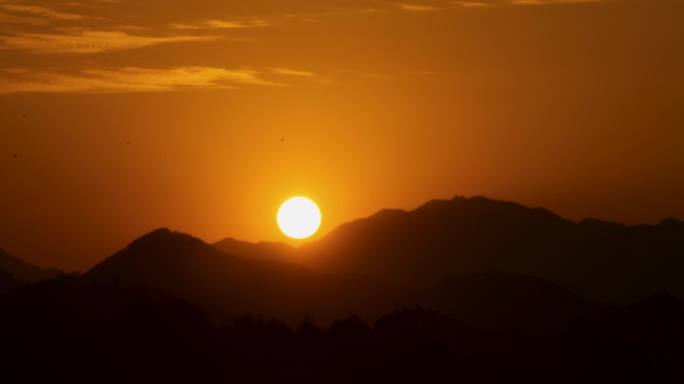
576	106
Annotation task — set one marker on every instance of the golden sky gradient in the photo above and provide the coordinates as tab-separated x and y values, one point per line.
145	114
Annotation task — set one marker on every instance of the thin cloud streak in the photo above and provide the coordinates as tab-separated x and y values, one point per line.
127	80
551	2
222	24
87	41
491	4
292	72
473	4
7	18
418	8
42	12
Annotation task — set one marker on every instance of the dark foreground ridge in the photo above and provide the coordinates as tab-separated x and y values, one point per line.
58	333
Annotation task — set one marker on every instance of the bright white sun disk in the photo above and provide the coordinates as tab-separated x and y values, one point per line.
299	217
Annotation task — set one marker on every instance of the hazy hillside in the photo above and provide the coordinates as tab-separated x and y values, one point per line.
258	251
23	270
229	286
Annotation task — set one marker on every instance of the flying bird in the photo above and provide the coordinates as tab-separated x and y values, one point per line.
24	115
283	139
15	155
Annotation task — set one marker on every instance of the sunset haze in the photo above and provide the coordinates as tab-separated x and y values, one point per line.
118	117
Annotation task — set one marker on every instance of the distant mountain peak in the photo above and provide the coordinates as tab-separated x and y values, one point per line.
156	234
483	204
671	222
161	248
164	237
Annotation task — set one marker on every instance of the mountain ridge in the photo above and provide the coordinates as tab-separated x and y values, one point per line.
477	234
228	285
599	259
183	266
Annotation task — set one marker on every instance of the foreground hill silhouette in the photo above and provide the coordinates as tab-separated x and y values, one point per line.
228	286
600	260
59	333
8	282
505	302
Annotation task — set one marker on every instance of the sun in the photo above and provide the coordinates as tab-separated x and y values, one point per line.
299	217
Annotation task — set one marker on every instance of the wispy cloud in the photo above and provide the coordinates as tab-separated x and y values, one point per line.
9	18
87	41
41	12
426	73
418	8
494	3
225	24
549	2
473	4
127	80
292	72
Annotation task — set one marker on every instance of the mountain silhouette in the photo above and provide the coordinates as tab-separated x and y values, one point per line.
600	260
227	286
494	300
24	271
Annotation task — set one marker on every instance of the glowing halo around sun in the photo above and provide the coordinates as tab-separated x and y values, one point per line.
299	217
